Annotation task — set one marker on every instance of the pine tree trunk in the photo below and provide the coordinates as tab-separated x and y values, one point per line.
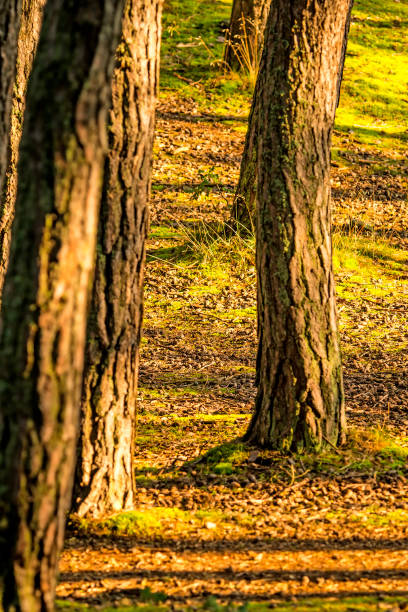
247	24
31	19
343	51
300	401
105	474
10	15
244	205
46	290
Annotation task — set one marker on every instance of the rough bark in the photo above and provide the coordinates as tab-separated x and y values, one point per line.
244	205
30	25
46	290
247	24
10	14
105	474
300	401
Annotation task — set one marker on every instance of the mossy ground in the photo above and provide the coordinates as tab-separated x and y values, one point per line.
348	604
221	526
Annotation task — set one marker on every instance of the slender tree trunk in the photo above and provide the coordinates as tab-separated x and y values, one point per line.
46	290
343	51
244	205
300	393
10	15
246	29
105	474
31	19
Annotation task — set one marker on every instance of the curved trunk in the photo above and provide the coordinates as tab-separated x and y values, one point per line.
300	401
29	33
105	475
46	290
244	205
245	34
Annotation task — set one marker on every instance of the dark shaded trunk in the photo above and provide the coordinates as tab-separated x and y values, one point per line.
245	34
46	290
105	474
343	51
31	19
10	15
244	205
300	401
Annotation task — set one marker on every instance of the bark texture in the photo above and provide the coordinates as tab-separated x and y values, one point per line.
46	290
10	14
105	474
30	25
300	400
244	206
247	24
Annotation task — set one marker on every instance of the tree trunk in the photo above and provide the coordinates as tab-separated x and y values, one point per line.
31	19
300	401
46	290
245	33
105	474
244	205
10	15
343	51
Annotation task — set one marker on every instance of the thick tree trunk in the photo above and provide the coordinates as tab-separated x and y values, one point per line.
10	15
46	290
31	19
246	32
244	205
300	393
105	474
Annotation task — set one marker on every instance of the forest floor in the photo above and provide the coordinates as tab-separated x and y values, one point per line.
219	525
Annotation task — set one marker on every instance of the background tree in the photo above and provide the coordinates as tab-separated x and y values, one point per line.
300	401
30	25
246	31
105	474
244	206
46	290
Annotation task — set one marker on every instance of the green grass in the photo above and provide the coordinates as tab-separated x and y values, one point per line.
370	266
66	606
192	48
160	522
371	272
365	603
374	92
